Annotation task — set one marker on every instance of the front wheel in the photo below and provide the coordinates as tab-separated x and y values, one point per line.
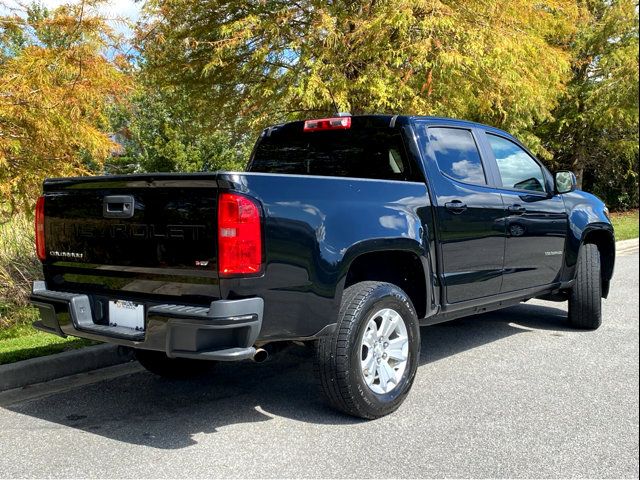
585	300
367	366
174	368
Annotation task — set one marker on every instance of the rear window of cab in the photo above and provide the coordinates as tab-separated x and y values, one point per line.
374	153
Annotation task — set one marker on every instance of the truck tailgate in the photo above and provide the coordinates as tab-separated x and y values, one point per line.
140	236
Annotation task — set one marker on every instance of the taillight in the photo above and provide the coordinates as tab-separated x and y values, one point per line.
239	235
336	123
40	244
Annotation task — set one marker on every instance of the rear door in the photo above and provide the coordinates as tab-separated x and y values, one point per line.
469	212
536	218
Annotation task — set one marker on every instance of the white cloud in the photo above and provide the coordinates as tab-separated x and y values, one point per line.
468	172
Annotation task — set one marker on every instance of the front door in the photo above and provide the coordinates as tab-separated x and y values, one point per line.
536	219
469	214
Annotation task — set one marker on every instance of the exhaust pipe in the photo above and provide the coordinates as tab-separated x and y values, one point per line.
261	355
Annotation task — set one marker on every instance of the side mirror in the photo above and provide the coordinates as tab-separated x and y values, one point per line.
565	182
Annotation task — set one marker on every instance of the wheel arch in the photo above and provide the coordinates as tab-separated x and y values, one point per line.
605	241
403	267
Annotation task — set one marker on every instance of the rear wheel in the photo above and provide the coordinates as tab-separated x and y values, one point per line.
367	366
175	368
585	300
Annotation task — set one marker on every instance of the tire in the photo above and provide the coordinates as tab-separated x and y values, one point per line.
174	368
585	299
339	363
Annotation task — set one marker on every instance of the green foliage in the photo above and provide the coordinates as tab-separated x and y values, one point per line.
614	178
262	62
159	136
55	84
561	75
19	265
16	321
595	131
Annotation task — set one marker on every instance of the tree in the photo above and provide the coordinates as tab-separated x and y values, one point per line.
162	136
259	62
55	84
595	132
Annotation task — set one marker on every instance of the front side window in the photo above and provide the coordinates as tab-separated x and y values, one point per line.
517	169
456	153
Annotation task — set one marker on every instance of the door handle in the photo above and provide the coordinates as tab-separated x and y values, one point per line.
118	206
516	209
456	207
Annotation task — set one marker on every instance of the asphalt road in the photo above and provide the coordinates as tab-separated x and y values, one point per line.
509	394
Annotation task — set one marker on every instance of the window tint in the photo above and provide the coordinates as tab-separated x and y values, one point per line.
517	169
359	153
457	155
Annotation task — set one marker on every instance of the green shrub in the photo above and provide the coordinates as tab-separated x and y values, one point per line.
19	266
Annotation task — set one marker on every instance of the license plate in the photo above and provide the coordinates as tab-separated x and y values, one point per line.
123	313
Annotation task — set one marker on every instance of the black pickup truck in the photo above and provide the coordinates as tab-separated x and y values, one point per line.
348	233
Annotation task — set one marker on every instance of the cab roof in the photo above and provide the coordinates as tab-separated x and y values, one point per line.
383	120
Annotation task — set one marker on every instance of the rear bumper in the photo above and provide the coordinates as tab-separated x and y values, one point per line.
224	331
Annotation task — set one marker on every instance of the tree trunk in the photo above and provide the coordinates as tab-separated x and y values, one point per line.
578	165
579	177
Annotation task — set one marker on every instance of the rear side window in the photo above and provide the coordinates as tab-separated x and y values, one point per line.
359	153
517	169
456	153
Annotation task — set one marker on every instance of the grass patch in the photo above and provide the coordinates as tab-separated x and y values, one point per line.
21	341
37	344
625	225
16	321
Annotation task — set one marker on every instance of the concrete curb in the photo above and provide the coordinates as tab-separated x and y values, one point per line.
43	369
624	245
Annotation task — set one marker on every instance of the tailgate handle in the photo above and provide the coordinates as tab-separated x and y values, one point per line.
118	206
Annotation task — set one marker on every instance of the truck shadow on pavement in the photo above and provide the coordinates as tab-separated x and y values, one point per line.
143	409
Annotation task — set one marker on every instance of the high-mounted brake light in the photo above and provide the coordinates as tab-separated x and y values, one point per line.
335	123
40	243
239	235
